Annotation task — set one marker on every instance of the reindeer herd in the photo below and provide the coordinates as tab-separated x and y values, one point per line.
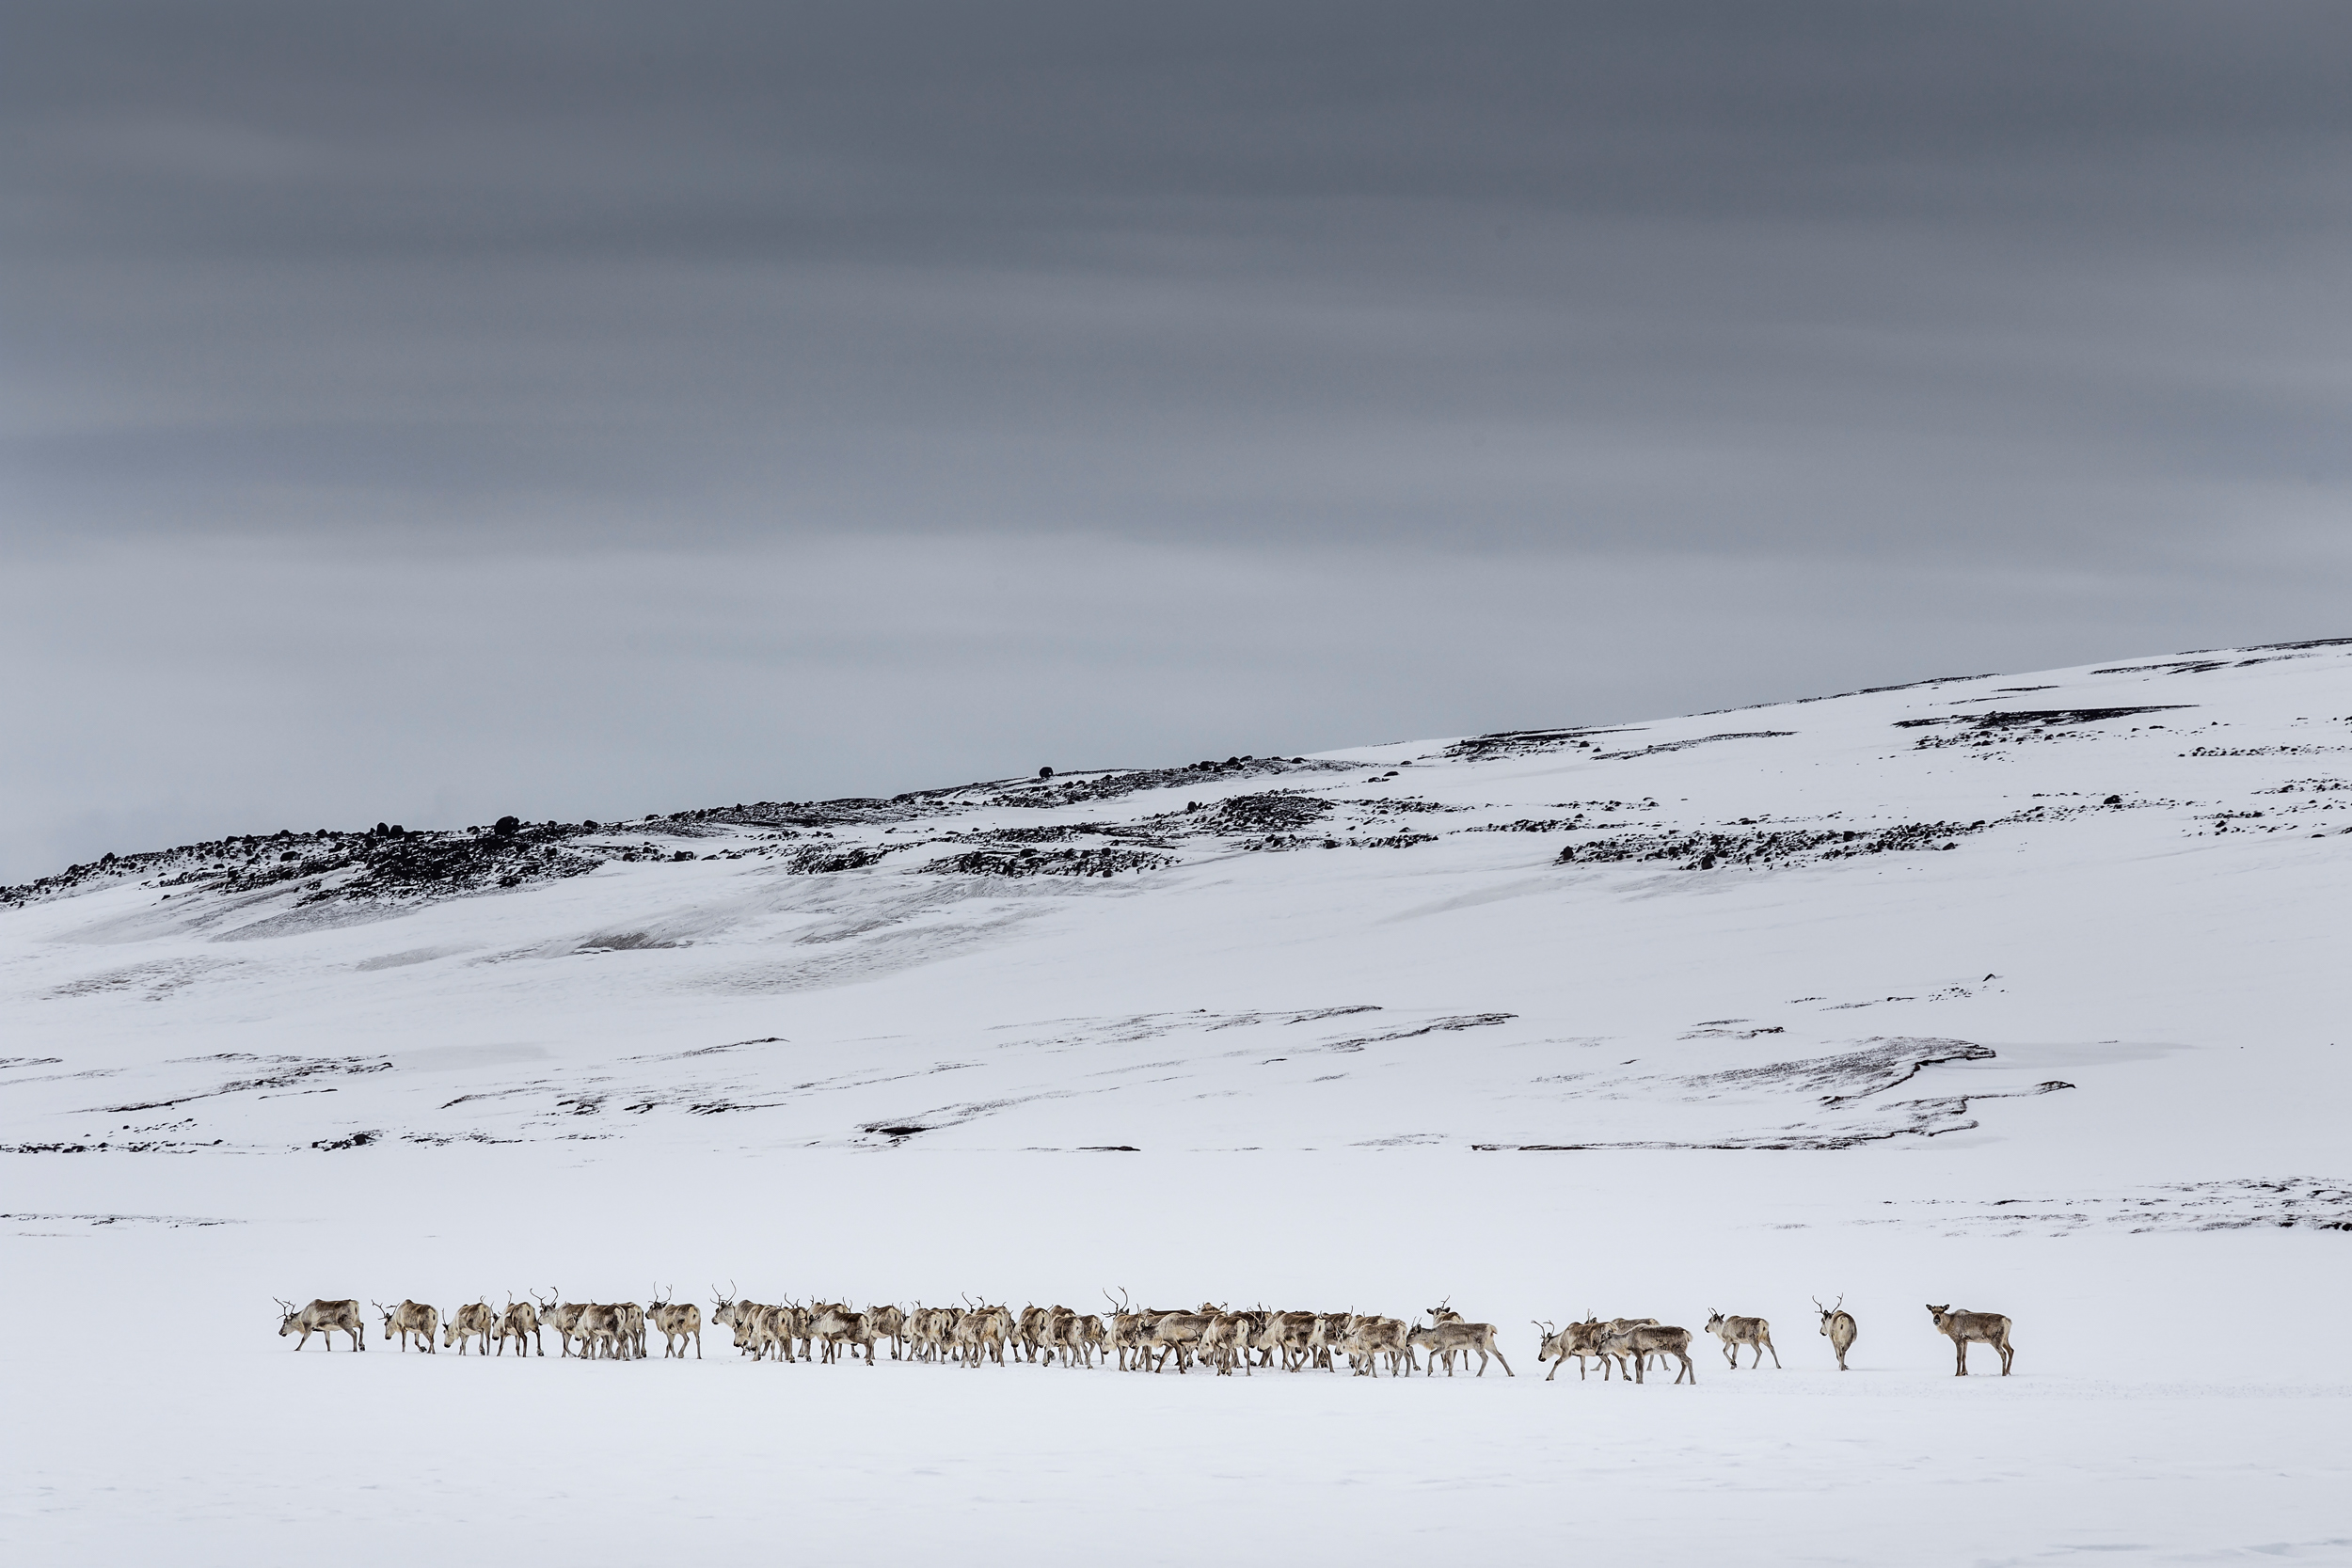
1129	1337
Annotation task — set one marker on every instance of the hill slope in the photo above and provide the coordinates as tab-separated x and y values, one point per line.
1996	903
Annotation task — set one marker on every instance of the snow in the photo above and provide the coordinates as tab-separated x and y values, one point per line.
2082	1067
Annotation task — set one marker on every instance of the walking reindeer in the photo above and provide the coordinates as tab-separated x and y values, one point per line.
1839	1327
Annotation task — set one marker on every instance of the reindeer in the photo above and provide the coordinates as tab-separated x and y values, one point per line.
1644	1341
1029	1328
633	1328
928	1331
520	1320
564	1316
1128	1328
410	1317
760	1329
1614	1327
1839	1327
1455	1337
1271	1339
1755	1333
1576	1340
1178	1334
890	1324
800	1325
324	1319
605	1329
732	1312
835	1325
1224	1339
1963	1326
1370	1338
678	1323
981	1332
1329	1331
468	1323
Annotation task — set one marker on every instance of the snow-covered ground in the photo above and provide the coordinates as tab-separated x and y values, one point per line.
2025	993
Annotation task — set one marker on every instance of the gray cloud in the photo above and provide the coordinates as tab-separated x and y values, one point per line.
1793	318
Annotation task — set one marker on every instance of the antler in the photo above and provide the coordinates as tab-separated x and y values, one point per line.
287	1305
1841	1301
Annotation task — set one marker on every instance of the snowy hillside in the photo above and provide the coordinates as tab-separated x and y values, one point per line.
1890	914
2021	987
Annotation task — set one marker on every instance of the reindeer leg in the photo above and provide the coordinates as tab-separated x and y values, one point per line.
1776	1350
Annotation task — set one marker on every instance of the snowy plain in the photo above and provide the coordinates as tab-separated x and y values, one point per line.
2027	993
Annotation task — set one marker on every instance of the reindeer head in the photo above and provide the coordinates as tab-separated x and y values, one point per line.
1714	1320
286	1323
1940	1313
1829	1314
387	1312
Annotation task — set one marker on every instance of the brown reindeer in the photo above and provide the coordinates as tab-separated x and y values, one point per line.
1455	1337
1964	1327
324	1319
520	1324
1839	1327
1755	1333
1576	1340
678	1323
468	1323
561	1316
410	1318
1645	1341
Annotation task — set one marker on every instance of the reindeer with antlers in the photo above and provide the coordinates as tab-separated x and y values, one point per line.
410	1318
1839	1327
520	1324
561	1316
473	1321
324	1319
678	1323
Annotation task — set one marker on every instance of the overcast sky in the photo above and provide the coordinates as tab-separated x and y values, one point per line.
422	413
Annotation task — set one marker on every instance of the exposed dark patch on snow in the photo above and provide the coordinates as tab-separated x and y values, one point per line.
1879	1065
1108	861
295	1070
1925	1118
2003	726
1665	746
2295	1202
624	941
171	1222
1436	1026
1273	812
1704	851
1070	791
1519	743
